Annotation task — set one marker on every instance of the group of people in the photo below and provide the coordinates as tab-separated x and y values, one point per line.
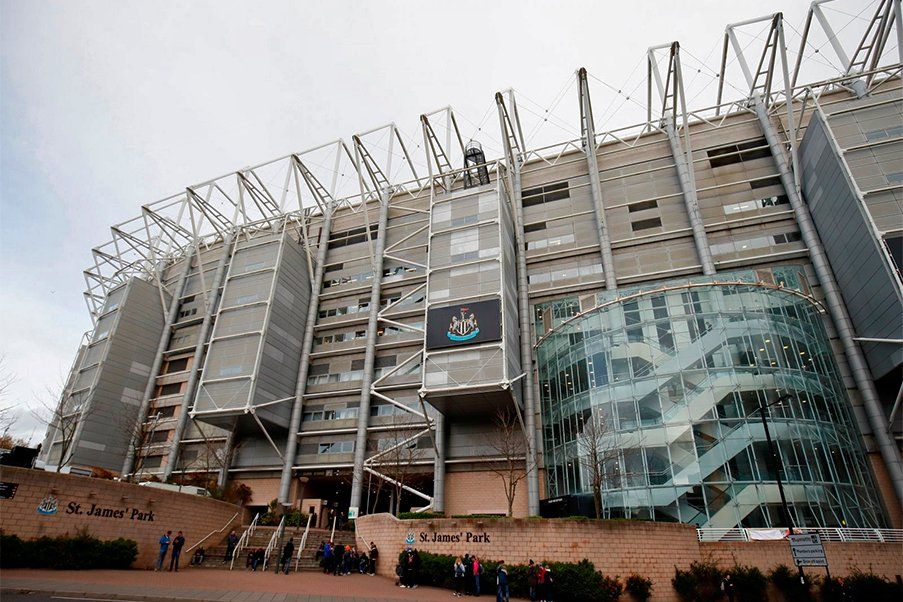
467	572
176	543
344	560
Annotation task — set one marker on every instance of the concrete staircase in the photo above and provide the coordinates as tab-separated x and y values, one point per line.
215	554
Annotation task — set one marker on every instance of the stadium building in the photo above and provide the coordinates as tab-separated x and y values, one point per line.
615	311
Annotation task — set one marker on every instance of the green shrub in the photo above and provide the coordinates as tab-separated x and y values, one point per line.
79	553
787	581
575	582
861	586
701	583
478	516
410	515
639	587
749	583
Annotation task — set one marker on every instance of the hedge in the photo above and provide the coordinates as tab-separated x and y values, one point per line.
78	553
861	586
575	582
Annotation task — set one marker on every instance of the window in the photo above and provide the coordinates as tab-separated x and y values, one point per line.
546	194
771	201
534	227
765	182
645	224
159	436
334	267
641	206
179	365
893	132
167	412
152	462
353	236
338	447
362	277
895	178
170	389
737	153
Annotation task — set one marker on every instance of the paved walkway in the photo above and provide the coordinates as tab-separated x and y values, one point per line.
214	585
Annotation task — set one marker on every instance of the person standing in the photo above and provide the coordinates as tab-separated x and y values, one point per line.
458	576
164	547
727	586
327	557
477	571
231	542
374	556
501	584
548	584
468	575
177	544
286	560
532	579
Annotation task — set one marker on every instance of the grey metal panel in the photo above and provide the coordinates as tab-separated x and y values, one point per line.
867	285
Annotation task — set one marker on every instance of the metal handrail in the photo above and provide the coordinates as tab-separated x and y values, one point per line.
303	542
277	534
243	540
212	533
836	534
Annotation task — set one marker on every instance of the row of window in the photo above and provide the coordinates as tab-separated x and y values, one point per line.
339	414
338	447
555	241
737	153
771	201
559	273
545	194
757	242
893	132
353	236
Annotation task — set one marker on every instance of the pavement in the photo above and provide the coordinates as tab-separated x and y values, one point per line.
35	585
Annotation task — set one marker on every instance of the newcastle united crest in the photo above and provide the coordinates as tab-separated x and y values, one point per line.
463	328
48	505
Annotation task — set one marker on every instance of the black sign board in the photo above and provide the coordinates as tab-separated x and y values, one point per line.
464	324
8	490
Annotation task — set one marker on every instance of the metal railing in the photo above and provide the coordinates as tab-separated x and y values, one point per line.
211	534
243	540
826	534
274	541
303	542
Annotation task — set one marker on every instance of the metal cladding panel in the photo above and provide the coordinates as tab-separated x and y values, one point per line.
110	409
866	281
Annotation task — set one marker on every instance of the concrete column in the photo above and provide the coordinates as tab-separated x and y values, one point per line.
199	347
228	450
592	164
683	161
363	413
439	466
129	464
834	301
313	306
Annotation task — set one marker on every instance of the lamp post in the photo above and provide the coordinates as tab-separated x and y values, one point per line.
774	460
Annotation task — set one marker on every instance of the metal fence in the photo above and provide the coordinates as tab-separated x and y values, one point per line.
826	534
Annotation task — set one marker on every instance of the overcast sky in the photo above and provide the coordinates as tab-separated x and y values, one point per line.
105	106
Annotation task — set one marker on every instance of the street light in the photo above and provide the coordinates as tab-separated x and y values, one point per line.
774	460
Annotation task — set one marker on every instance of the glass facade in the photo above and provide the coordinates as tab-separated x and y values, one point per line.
672	376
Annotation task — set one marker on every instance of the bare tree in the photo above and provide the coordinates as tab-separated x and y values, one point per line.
140	433
509	443
8	413
598	450
62	416
398	456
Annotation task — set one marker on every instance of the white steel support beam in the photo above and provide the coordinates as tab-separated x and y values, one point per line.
363	413
514	157
174	303
592	162
836	307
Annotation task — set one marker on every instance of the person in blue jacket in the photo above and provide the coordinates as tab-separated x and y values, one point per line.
501	582
164	547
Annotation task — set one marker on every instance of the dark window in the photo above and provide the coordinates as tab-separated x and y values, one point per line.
167	412
318	369
188	299
159	436
176	366
765	182
642	206
152	462
351	237
645	224
334	267
534	227
546	194
357	364
385	361
170	389
737	153
894	244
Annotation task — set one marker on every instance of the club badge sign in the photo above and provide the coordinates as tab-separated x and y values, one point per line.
464	324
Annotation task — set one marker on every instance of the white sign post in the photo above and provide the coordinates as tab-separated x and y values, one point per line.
807	550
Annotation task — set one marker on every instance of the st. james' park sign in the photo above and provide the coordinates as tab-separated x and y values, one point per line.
50	505
464	324
458	537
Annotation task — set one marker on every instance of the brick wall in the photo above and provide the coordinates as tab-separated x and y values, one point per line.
481	493
615	547
139	513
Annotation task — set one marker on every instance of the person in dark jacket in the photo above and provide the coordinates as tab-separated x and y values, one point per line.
501	583
177	544
548	584
374	556
532	579
727	586
468	575
231	542
286	560
327	557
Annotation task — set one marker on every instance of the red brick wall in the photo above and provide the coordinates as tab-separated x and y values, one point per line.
615	547
195	516
481	493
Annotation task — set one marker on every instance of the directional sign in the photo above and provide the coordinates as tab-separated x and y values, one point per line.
807	550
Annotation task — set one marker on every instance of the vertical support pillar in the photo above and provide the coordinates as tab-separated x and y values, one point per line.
523	311
129	464
313	307
228	450
439	465
592	164
683	161
363	413
834	301
194	375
